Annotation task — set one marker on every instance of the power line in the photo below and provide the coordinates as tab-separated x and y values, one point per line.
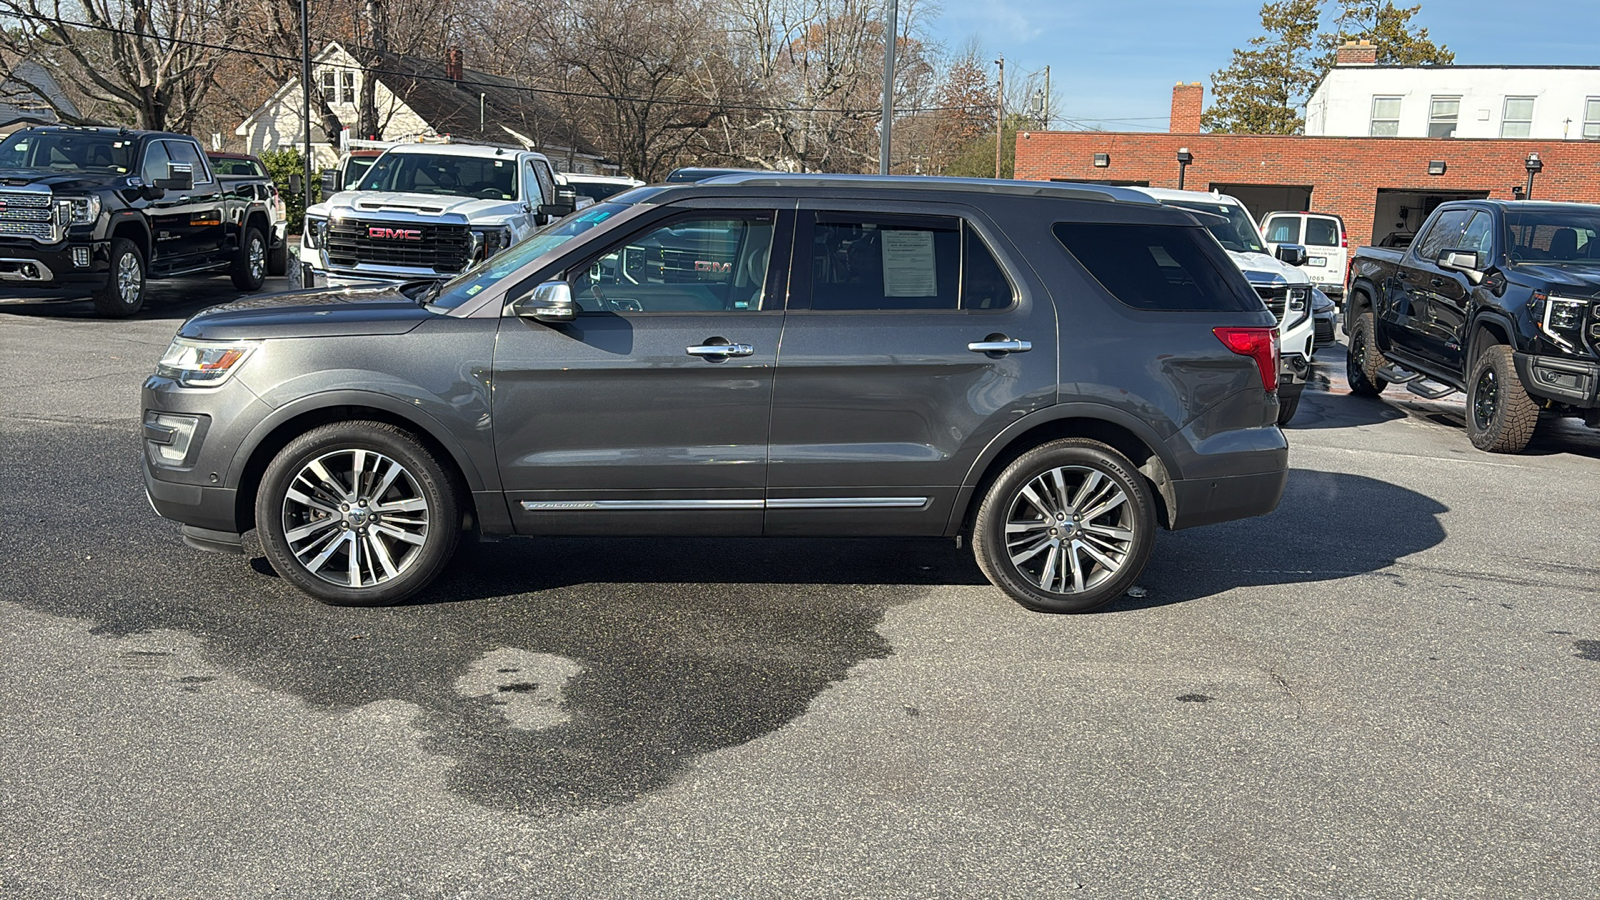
519	88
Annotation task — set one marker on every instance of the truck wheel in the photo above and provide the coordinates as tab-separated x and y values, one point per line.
250	266
1286	409
1362	365
123	293
1500	414
1067	527
278	260
357	514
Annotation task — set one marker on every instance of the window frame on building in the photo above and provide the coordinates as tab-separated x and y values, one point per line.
338	85
1505	116
1373	119
1591	118
1435	120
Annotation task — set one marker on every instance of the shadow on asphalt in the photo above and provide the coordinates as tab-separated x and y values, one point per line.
173	300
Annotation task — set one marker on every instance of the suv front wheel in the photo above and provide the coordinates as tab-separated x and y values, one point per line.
357	514
1066	527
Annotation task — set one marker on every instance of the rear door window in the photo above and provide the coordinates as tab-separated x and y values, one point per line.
1283	230
1322	233
1158	267
869	262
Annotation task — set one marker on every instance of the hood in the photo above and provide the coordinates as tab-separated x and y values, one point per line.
60	181
374	204
1582	280
1270	265
320	313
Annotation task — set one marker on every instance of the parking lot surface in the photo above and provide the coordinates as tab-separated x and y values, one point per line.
1386	688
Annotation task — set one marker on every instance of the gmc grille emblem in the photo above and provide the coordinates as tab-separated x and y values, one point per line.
385	233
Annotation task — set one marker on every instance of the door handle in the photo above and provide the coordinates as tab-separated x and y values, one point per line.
1006	346
720	351
1404	276
1437	282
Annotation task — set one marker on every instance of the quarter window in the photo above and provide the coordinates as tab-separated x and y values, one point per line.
1158	267
1385	117
1517	120
1442	115
885	263
699	263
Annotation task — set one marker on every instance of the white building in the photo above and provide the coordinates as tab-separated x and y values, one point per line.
1360	99
419	98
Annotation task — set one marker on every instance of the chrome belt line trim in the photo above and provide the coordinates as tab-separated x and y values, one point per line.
791	503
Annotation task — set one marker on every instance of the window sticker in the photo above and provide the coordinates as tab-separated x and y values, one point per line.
908	269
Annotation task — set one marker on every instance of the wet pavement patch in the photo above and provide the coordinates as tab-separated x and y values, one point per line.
1589	650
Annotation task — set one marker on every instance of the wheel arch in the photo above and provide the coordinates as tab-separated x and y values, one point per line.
134	229
289	422
1488	329
1360	299
258	220
1117	429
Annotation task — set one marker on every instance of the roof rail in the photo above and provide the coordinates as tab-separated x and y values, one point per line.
1062	189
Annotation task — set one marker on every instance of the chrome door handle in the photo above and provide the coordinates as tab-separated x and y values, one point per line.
720	351
1000	346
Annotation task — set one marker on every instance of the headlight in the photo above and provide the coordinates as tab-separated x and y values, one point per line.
78	210
1298	298
203	363
490	241
316	232
1560	318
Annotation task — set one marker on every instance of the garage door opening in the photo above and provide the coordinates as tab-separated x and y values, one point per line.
1261	199
1400	213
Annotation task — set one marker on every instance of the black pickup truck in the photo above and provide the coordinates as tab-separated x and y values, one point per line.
99	210
1500	299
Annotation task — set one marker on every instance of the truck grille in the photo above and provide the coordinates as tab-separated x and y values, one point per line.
27	214
443	248
1276	297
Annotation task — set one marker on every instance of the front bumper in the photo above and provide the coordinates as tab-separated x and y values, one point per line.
1574	382
192	442
34	271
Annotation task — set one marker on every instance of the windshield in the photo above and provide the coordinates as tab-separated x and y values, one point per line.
488	178
472	282
1238	234
67	151
1554	235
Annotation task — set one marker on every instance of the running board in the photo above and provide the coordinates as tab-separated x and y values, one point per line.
1397	375
1430	393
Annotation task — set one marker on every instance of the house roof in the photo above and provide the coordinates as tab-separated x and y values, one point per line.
23	90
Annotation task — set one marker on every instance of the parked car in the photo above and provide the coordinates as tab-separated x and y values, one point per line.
1282	285
1495	298
599	187
99	211
1323	236
429	211
1050	371
247	176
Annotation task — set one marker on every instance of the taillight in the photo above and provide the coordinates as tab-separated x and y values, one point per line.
1257	342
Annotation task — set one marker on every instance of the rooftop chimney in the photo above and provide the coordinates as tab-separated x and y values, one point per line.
1356	53
452	67
1186	102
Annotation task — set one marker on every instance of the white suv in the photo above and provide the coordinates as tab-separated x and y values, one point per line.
1284	288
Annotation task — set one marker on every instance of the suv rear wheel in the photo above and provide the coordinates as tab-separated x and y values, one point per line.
357	514
1067	527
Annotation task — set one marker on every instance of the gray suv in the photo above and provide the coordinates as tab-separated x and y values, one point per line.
1049	371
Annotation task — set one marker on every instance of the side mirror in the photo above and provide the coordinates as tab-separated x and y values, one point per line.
1291	254
297	183
180	177
330	182
566	202
550	302
1468	262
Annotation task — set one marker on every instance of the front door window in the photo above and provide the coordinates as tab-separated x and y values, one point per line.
696	263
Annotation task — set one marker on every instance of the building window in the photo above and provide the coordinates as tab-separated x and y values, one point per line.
1442	115
1517	120
1385	117
1591	118
339	86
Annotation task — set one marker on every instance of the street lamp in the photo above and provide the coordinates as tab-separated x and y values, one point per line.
1184	158
1534	167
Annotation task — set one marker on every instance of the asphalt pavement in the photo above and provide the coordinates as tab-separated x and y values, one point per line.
1387	688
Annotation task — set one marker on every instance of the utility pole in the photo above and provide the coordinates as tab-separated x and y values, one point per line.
999	114
305	96
1046	98
890	38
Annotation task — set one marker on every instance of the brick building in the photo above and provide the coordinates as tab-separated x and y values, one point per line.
1378	185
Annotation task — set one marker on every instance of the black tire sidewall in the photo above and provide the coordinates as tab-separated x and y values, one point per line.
989	528
242	277
432	478
108	301
1361	370
278	260
1516	415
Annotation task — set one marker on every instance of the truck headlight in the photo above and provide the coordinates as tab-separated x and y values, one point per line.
194	363
78	210
490	241
316	231
1560	318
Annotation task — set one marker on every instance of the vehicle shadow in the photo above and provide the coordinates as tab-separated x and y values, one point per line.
173	300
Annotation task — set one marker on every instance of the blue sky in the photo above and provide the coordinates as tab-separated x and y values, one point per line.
1118	59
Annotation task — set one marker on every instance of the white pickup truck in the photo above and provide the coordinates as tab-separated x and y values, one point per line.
427	211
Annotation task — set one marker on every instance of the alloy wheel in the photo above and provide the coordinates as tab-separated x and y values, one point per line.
1069	529
1485	399
258	259
355	518
128	278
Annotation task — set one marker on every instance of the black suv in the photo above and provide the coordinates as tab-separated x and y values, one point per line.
1050	371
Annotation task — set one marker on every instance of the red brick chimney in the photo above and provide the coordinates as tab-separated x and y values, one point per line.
452	67
1356	53
1186	102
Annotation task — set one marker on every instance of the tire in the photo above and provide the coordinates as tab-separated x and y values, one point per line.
1501	416
250	266
1362	365
278	260
1106	552
309	520
123	293
1286	409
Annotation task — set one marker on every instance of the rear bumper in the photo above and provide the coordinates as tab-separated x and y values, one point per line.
1574	382
1206	501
